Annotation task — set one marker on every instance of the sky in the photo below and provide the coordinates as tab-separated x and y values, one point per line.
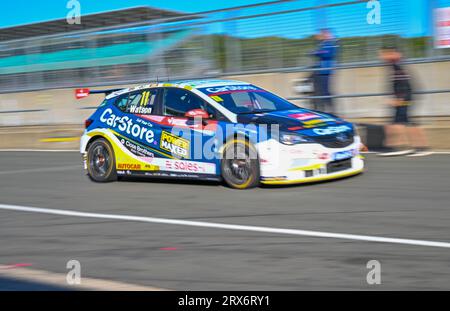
407	17
40	10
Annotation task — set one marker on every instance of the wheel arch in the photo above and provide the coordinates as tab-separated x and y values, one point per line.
238	135
93	137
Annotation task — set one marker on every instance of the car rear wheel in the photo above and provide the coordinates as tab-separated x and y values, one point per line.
101	164
240	164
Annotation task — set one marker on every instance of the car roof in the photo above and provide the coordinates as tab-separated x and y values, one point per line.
187	84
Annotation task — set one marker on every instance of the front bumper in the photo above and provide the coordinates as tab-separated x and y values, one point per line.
305	163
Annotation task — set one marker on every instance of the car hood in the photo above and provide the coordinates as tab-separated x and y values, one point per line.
304	121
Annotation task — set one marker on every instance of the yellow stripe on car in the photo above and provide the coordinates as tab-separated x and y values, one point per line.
307	168
312	179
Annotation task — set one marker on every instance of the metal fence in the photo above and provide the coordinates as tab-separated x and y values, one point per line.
276	36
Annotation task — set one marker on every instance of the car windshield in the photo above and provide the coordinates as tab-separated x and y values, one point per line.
245	99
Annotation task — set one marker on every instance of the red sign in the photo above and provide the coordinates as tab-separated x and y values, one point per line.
81	93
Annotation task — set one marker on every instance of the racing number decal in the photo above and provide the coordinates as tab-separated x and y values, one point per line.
144	98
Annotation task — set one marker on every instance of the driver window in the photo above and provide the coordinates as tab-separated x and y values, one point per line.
176	102
121	102
141	102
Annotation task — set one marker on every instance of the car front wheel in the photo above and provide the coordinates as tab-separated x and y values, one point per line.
240	164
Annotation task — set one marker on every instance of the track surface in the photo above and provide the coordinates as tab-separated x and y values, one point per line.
396	197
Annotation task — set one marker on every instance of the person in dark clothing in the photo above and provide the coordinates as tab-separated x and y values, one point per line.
325	54
403	137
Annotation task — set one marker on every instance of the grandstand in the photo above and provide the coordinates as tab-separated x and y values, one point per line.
106	46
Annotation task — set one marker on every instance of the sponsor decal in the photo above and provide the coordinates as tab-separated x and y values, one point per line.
275	178
172	175
149	167
231	88
144	106
176	122
319	124
322	155
140	110
158	119
129	166
263	161
135	148
332	130
313	122
126	125
177	146
295	151
304	116
181	122
342	155
189	166
217	98
296	128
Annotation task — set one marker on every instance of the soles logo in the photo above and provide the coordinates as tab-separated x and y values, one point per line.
190	166
177	146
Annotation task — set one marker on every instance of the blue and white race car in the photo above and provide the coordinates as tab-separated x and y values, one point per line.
216	130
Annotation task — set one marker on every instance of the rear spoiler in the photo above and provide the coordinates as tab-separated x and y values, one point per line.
106	92
82	93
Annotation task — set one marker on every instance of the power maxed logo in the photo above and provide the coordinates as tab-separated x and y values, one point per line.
177	146
125	124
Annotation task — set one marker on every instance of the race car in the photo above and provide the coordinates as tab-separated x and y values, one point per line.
220	130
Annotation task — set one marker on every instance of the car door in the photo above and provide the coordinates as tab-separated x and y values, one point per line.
180	137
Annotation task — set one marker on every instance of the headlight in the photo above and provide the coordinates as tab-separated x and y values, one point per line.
293	138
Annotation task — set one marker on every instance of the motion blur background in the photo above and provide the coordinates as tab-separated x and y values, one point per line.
266	43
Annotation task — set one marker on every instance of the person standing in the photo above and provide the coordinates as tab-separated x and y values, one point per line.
325	54
403	137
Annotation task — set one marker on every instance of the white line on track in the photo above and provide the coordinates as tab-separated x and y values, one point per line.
318	234
43	169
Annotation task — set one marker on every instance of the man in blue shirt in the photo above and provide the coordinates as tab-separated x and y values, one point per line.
325	54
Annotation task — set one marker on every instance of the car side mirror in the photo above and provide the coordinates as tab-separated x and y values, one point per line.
197	113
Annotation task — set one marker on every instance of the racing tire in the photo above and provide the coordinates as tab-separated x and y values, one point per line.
240	164
101	161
